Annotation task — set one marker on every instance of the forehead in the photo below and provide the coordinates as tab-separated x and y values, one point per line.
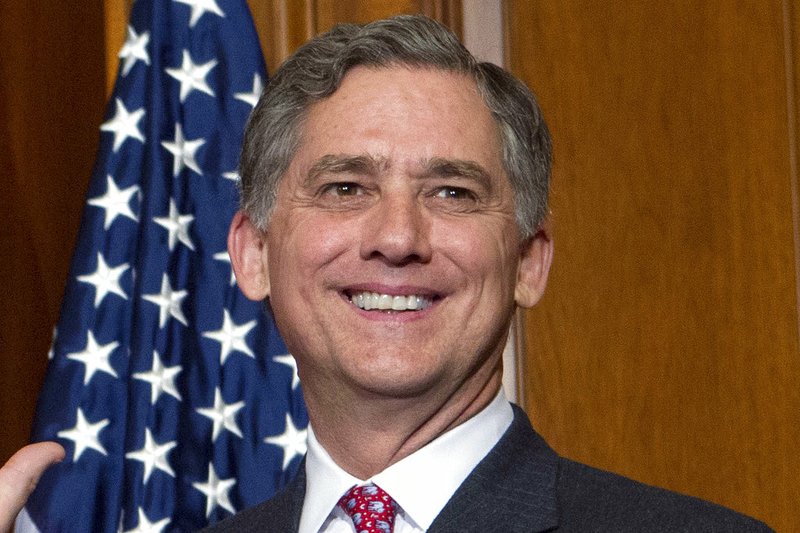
401	114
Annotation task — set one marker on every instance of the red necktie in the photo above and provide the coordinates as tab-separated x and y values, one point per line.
370	508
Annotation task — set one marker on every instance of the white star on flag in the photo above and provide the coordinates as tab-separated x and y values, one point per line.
115	201
293	441
177	225
153	455
253	96
84	435
233	176
289	361
134	49
105	280
169	302
183	151
146	526
160	378
95	356
225	258
231	337
192	76
200	7
124	125
223	415
216	491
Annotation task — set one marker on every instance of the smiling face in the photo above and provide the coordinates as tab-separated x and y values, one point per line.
392	258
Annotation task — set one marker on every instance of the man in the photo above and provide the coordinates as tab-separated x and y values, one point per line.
393	215
394	196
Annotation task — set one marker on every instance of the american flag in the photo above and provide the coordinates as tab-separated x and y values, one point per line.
173	395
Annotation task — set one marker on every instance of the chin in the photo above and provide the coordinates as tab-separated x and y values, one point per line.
396	380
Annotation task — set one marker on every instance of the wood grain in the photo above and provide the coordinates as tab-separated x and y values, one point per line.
52	84
283	25
667	346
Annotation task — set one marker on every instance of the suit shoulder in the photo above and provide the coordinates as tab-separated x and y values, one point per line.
595	500
260	518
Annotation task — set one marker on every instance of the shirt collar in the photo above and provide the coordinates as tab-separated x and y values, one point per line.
421	483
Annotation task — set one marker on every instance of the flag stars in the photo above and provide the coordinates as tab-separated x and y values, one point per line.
134	49
252	97
231	337
289	361
292	440
177	225
222	415
200	7
192	76
216	491
160	378
95	357
168	302
124	125
146	526
153	456
115	201
84	435
184	152
105	280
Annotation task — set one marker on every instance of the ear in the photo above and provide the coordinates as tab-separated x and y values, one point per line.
536	254
247	248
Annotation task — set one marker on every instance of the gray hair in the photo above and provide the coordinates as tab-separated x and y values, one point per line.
316	70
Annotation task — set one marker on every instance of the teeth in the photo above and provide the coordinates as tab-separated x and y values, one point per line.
373	300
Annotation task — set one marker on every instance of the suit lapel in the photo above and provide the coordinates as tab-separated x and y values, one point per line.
289	504
513	489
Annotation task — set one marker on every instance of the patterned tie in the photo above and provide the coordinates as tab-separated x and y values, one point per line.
370	508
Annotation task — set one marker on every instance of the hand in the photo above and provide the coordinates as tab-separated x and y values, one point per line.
19	476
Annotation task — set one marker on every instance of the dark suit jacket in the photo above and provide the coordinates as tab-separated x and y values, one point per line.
524	486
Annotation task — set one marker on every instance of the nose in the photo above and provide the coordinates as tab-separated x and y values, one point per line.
397	230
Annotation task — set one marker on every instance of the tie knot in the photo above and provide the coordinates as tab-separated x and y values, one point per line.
370	508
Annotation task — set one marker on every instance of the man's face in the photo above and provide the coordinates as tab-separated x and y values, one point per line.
393	256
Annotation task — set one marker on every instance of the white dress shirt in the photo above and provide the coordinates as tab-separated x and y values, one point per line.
421	484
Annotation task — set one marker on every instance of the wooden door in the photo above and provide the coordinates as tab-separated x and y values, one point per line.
667	346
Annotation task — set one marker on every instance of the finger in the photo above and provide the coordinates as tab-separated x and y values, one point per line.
19	476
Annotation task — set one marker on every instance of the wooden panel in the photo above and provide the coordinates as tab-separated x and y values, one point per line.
667	345
283	25
330	12
115	17
52	84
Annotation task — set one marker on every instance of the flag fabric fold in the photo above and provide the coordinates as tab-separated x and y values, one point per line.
173	395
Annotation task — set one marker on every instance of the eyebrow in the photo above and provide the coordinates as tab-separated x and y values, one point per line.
346	164
458	168
373	166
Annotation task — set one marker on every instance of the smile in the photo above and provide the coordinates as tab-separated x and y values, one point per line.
386	302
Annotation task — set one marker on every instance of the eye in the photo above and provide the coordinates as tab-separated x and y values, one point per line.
343	189
454	193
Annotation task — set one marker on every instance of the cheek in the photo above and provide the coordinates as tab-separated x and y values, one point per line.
485	252
305	245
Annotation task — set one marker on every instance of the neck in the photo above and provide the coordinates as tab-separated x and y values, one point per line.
365	433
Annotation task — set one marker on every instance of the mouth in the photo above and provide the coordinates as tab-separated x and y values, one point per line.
370	301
